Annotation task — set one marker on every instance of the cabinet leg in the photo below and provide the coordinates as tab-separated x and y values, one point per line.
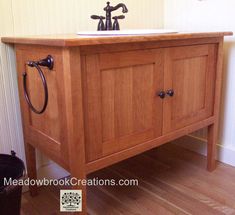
211	146
31	167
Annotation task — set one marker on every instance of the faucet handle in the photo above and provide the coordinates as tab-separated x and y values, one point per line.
119	17
116	25
101	22
97	17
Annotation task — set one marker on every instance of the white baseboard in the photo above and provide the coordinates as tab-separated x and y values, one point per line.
49	171
225	154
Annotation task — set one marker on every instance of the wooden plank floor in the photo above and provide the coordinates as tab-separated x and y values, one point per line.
172	180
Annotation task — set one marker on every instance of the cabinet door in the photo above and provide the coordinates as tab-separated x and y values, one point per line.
190	72
122	108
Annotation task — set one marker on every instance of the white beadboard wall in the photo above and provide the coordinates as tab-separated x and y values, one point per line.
210	15
34	17
10	121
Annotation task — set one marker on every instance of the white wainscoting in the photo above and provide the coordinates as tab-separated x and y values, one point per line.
225	153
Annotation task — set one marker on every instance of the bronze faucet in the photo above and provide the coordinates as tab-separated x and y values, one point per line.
108	20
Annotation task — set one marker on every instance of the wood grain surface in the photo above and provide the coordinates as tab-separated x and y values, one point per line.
75	40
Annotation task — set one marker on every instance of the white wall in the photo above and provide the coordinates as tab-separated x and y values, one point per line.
211	15
35	17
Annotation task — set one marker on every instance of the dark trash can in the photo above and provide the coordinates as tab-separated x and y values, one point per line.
10	196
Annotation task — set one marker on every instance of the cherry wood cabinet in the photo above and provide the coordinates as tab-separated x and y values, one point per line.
111	98
122	102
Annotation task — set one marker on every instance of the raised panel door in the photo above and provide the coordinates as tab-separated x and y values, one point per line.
190	72
122	108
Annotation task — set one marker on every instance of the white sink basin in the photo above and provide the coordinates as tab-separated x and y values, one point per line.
126	32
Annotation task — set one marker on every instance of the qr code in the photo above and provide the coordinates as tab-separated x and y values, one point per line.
70	200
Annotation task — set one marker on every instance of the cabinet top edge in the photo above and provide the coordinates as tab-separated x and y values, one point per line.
75	40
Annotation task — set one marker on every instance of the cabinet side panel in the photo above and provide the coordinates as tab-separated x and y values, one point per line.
44	131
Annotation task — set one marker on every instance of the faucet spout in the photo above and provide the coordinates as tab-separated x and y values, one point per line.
124	8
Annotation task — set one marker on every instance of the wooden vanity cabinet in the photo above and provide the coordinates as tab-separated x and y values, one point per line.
104	96
122	103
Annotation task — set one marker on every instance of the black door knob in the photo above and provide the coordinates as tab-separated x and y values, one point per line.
170	92
162	94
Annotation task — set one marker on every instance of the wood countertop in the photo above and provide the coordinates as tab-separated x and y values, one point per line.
75	40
